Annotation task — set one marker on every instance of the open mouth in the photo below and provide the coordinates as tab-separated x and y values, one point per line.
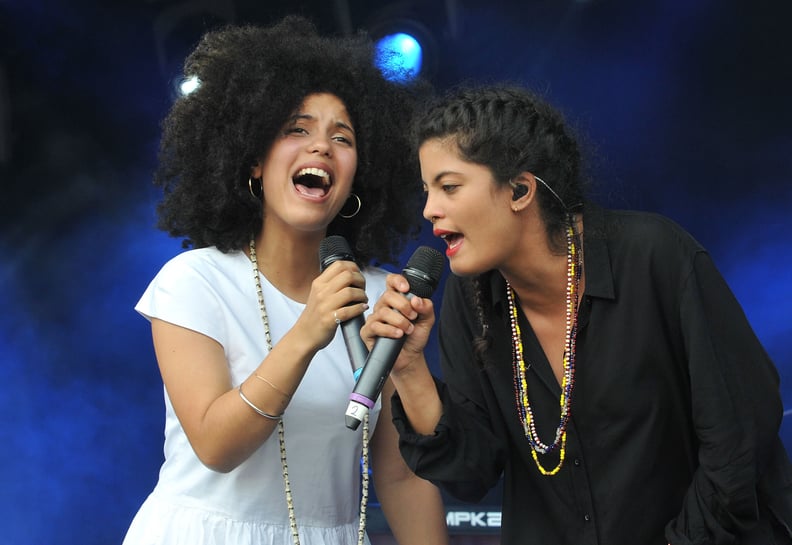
312	182
452	239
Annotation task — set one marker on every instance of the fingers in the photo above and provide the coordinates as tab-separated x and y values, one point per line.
341	285
337	295
395	297
395	314
348	312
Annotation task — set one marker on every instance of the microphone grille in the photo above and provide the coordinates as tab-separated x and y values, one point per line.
423	271
334	248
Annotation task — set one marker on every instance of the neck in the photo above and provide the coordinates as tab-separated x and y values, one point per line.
541	284
289	263
538	272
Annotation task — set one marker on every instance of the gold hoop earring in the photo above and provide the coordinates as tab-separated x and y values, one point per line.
355	213
261	187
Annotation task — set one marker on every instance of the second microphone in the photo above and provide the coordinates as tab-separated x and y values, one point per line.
423	272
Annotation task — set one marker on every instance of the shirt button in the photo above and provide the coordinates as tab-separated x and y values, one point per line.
587	518
577	462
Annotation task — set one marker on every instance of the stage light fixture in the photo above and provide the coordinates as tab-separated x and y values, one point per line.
405	49
399	56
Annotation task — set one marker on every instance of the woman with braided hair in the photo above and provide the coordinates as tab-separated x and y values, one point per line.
289	138
593	359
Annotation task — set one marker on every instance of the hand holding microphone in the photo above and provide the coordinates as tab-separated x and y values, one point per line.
423	272
336	248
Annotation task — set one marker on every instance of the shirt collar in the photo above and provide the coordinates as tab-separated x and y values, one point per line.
596	256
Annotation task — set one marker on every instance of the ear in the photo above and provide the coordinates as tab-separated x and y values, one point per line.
519	191
523	189
256	170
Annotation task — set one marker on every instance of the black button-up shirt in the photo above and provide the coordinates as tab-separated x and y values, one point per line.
675	408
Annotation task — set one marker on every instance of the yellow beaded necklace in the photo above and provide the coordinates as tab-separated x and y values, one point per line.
524	410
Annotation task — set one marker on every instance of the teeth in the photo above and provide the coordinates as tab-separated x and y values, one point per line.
325	176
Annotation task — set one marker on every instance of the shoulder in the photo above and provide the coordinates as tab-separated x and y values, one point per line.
626	248
198	289
647	233
205	266
204	260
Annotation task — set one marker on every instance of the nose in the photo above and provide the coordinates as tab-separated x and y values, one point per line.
320	144
430	211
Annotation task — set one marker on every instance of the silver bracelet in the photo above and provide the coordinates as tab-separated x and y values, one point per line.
250	404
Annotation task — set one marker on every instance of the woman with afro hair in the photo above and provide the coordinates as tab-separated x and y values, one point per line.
289	138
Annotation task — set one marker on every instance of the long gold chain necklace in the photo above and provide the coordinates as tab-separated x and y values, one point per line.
524	410
364	473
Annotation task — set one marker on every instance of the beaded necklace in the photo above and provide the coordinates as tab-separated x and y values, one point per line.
524	410
364	473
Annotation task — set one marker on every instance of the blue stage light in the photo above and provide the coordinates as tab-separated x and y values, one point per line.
399	56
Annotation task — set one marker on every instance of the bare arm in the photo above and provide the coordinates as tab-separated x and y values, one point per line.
413	506
222	429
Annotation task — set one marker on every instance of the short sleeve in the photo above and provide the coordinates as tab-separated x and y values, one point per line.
184	293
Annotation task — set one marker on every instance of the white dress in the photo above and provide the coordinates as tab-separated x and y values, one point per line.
214	293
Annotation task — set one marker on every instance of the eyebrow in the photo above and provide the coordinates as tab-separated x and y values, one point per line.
309	117
443	174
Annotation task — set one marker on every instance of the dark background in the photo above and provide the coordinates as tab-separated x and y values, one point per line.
683	104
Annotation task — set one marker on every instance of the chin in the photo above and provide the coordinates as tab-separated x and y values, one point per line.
461	270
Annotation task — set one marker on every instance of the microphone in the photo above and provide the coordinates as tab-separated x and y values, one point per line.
423	273
336	248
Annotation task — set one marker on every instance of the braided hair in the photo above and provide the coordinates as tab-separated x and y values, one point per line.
510	130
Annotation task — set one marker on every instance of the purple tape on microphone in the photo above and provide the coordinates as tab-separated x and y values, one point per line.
363	400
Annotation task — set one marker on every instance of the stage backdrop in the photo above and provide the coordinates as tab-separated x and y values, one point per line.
683	106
